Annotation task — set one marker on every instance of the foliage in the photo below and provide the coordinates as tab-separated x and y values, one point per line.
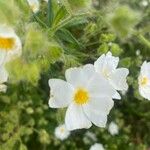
62	35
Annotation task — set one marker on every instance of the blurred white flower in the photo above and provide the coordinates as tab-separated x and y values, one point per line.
45	0
34	5
144	3
106	65
113	128
61	132
144	80
137	52
97	146
3	78
10	44
87	95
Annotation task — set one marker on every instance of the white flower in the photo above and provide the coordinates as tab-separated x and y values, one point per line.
87	95
113	128
138	52
45	0
61	132
106	65
10	44
3	78
144	3
34	5
144	80
97	146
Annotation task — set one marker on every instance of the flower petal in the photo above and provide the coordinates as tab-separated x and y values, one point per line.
116	96
98	86
78	77
75	118
102	104
145	92
3	74
61	93
97	117
145	69
118	79
106	63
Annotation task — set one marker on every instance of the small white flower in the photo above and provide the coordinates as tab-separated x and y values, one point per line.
144	80
113	128
10	44
34	5
87	95
97	146
137	52
106	65
61	132
144	3
3	78
45	0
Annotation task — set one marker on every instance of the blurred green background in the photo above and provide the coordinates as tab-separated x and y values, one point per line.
64	34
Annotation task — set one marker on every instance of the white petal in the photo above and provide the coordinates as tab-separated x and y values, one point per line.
145	69
3	74
61	93
96	117
118	79
98	86
75	118
79	77
98	64
2	57
145	92
116	96
106	63
102	104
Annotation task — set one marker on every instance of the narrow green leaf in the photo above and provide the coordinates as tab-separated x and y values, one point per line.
50	13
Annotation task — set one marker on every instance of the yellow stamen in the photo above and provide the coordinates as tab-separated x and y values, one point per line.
81	96
62	130
144	81
7	44
105	73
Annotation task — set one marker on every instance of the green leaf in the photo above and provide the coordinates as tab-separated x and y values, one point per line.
68	37
50	14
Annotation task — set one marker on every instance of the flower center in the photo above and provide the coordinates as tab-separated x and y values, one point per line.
144	81
105	73
81	96
7	43
62	130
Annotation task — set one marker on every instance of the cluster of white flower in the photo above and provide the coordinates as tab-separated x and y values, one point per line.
10	48
88	92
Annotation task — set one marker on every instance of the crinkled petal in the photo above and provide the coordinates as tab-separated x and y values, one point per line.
79	77
106	63
98	86
61	93
75	118
102	104
118	79
97	117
